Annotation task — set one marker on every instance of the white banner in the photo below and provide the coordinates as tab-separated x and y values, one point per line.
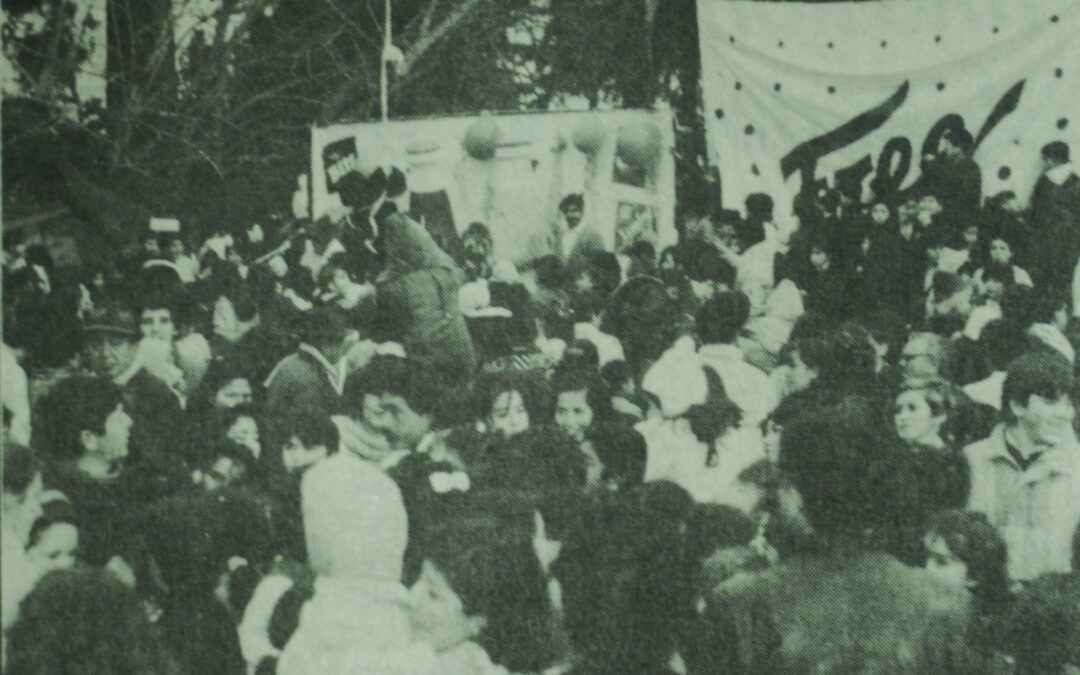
536	159
797	91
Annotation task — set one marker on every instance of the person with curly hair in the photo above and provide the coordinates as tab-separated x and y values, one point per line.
85	621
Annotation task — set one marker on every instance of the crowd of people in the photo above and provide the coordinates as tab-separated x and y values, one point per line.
348	446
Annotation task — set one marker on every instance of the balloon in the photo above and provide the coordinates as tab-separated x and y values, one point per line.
639	144
589	135
481	139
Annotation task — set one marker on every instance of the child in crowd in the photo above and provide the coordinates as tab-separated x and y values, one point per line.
54	538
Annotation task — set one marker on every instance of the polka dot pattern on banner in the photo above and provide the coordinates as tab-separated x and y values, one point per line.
831	89
884	44
749	130
941	86
719	112
1058	72
776	87
755	170
937	39
1004	173
1062	123
1054	19
830	45
780	44
738	86
996	30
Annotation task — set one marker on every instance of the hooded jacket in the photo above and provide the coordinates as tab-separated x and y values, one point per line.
417	298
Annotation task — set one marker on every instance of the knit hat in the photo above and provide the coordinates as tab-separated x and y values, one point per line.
354	520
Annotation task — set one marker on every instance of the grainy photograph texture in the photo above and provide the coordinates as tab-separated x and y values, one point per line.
540	337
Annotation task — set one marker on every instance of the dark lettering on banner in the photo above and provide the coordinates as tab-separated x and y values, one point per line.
804	157
1002	109
339	158
887	178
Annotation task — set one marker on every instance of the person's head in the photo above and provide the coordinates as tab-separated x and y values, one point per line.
578	403
708	272
820	259
621	450
956	143
479	581
921	411
240	426
627	579
228	463
880	213
719	319
669	259
1035	397
158	320
953	294
87	424
151	245
969	234
311	436
22	488
572	208
772	429
1054	154
754	487
54	537
505	404
759	207
409	398
84	616
604	272
1001	251
233	391
1044	626
927	210
853	481
235	314
964	549
111	340
326	330
805	359
922	357
618	378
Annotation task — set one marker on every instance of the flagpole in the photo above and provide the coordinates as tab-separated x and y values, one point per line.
384	85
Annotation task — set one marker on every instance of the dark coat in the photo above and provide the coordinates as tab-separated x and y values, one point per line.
818	614
1055	221
417	299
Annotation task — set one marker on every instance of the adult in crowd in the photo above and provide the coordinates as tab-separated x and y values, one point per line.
86	444
21	507
853	485
1024	476
85	620
417	299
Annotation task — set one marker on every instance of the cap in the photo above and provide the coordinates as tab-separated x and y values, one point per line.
111	319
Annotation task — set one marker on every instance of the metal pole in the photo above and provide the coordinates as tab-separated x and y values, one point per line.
384	74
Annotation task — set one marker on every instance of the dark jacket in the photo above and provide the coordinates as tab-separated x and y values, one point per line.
865	613
417	299
1055	221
